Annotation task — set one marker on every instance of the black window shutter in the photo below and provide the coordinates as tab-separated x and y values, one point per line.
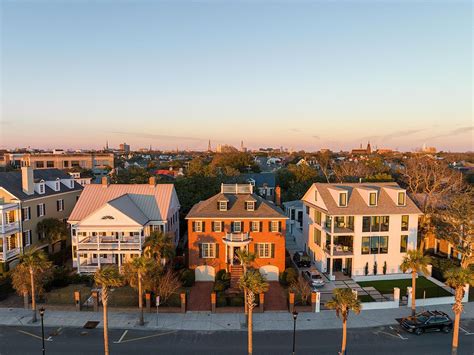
194	226
57	205
37	210
255	250
200	250
260	226
273	250
44	209
270	226
232	227
279	226
222	227
217	249
203	226
23	217
29	212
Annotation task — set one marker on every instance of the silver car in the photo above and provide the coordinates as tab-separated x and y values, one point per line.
314	278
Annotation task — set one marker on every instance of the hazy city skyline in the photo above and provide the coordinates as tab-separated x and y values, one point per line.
306	76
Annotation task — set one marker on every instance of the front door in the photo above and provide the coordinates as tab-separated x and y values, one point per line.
348	267
337	266
235	260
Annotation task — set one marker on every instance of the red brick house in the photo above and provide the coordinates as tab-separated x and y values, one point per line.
234	219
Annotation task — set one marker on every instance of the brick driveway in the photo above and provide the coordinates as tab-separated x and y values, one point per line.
200	296
275	297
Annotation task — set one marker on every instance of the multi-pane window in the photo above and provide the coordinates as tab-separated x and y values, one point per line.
208	250
217	226
197	226
40	210
40	164
264	250
375	245
375	223
343	199
401	198
405	220
41	188
50	164
373	199
274	226
26	236
317	236
222	205
250	205
26	213
403	243
237	226
255	226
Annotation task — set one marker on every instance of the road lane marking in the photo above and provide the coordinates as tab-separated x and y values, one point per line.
465	331
121	338
146	337
34	335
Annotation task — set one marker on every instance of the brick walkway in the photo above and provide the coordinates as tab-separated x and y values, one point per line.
275	298
200	296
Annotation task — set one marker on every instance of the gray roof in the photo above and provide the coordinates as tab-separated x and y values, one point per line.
261	179
11	181
356	204
235	207
128	207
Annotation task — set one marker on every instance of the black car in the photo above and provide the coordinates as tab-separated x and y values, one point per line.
302	259
426	322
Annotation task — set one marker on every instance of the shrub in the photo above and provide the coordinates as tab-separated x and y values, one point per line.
385	268
188	278
220	274
219	286
236	301
366	269
221	299
5	288
375	268
291	275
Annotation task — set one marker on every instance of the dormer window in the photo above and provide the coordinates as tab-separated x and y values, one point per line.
56	186
343	199
41	188
222	205
373	199
250	205
401	198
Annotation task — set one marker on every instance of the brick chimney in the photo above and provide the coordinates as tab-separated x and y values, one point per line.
278	196
27	180
152	181
105	181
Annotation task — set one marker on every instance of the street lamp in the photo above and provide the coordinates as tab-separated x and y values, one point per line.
295	315
42	328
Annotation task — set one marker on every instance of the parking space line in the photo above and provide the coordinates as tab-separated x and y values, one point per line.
465	331
34	335
121	338
146	337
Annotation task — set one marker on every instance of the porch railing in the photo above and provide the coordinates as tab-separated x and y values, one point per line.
237	237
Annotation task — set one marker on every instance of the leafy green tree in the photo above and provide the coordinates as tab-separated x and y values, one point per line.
54	230
107	277
416	262
343	301
159	246
31	274
457	278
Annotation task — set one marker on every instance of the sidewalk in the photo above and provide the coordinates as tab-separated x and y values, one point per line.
205	321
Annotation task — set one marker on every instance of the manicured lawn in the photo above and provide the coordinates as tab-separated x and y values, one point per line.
365	298
422	284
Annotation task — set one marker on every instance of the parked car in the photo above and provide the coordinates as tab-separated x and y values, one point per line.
314	278
302	259
426	322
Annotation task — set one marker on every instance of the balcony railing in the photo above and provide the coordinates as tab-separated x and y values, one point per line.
8	206
5	255
236	237
88	269
9	227
236	188
107	243
340	249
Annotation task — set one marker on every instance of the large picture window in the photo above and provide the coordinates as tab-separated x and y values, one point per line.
208	250
375	245
375	223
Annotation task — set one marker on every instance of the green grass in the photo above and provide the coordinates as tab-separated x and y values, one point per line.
65	295
123	297
422	284
365	298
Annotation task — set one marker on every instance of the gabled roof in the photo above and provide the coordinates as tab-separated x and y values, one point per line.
235	208
261	179
356	205
142	202
11	181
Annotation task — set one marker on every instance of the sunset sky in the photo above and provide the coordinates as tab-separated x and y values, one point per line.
304	75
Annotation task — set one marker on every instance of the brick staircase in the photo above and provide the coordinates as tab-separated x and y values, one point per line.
236	271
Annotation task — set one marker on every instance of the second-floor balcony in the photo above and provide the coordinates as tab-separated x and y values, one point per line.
9	227
8	254
107	243
237	238
340	246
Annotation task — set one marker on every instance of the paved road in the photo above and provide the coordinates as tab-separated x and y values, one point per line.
380	340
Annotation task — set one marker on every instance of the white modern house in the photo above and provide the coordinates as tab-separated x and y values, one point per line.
359	230
294	229
111	222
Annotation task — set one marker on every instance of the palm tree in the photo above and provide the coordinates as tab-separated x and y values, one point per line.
137	273
457	278
253	283
30	275
343	301
159	246
246	259
54	230
107	277
416	262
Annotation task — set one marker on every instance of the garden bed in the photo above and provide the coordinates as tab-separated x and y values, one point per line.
424	287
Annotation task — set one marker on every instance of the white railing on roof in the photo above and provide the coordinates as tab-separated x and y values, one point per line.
236	188
237	237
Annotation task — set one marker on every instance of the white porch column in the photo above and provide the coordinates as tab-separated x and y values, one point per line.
409	296
318	302
78	262
119	260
